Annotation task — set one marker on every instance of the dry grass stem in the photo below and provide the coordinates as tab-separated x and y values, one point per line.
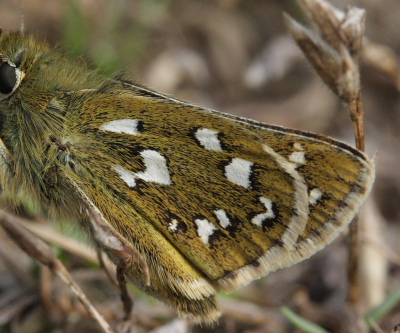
376	327
49	235
106	267
40	251
383	59
332	44
378	245
46	289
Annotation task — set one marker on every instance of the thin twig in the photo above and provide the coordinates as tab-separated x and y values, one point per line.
106	267
353	268
357	117
22	15
40	251
353	271
333	45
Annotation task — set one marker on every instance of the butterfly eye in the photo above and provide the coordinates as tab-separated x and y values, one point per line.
8	78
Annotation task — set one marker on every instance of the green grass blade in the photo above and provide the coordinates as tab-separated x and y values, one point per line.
376	314
302	323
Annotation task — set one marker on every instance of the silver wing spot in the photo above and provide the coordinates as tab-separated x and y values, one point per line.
127	126
239	172
208	139
156	170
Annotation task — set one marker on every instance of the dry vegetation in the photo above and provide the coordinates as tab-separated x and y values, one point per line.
234	56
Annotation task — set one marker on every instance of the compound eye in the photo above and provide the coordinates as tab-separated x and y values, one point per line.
8	78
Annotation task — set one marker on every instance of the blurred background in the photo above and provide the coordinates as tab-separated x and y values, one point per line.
234	56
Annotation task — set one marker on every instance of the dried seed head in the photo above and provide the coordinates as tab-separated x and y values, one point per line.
332	44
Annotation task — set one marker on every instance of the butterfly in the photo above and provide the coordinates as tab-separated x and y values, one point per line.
211	201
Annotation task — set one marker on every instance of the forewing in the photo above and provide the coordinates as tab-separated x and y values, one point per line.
232	198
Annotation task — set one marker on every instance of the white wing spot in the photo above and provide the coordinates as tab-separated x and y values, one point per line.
128	177
127	126
208	139
297	157
156	170
239	172
315	195
223	218
259	219
298	146
204	229
173	225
